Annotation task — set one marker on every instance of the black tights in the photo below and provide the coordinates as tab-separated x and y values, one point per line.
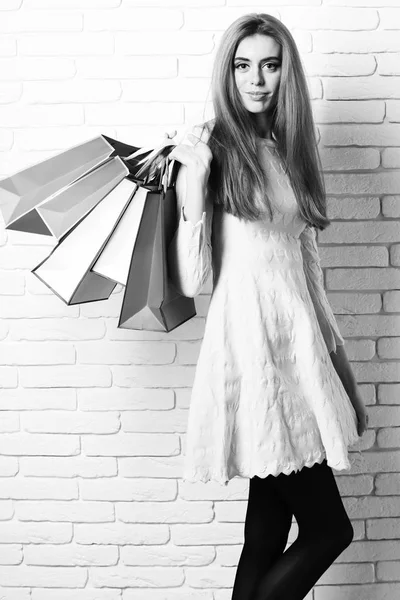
267	572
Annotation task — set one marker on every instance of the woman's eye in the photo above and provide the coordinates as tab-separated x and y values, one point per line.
273	65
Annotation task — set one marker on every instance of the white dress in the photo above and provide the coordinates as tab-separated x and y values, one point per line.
266	398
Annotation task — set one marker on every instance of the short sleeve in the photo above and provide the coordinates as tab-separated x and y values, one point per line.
190	251
315	283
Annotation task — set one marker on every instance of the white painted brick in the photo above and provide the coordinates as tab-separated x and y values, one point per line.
389	348
36	353
34	533
6	509
71	555
136	19
66	467
373	506
9	423
390	205
342	159
35	307
360	88
358	303
9	468
165	512
378	529
64	511
179	90
389	393
330	18
10	554
134	112
37	116
6	139
361	135
65	376
70	422
13	594
56	140
10	4
155	421
125	444
387	183
350	207
66	44
393	111
122	533
153	376
215	19
34	488
126	67
22	400
21	444
163	43
121	399
120	353
10	93
40	20
74	90
390	18
56	329
336	65
8	377
342	111
81	4
386	484
390	438
12	284
36	68
136	555
389	64
391	301
158	467
356	41
125	489
395	255
76	594
354	256
361	2
52	577
199	66
124	577
391	158
387	570
8	46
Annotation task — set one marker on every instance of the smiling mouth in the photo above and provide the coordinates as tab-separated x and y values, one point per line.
257	95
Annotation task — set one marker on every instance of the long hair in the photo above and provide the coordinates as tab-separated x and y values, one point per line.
236	174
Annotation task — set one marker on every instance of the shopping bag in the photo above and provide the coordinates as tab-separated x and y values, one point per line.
35	199
23	192
66	271
151	302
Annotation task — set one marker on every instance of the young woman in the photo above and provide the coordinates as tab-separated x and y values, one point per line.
274	398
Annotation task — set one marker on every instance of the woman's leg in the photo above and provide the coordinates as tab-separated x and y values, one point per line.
325	530
266	530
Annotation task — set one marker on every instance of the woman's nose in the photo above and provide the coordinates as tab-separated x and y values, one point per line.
256	77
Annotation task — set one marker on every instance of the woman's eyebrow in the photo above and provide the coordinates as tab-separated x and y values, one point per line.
267	58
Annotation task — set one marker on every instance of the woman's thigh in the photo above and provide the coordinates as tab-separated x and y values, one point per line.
314	498
268	519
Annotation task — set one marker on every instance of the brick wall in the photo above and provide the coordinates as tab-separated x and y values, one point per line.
93	418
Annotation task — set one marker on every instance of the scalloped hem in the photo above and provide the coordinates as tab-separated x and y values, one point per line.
204	476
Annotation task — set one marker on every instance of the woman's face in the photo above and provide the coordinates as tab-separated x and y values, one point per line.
257	68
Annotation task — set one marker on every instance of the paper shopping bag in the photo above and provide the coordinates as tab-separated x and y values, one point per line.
150	301
66	271
21	193
115	258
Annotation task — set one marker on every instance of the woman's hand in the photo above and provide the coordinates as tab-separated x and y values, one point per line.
197	157
362	415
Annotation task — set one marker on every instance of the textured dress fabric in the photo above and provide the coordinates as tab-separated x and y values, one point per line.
266	398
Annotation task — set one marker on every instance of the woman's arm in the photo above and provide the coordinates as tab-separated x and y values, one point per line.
190	252
315	283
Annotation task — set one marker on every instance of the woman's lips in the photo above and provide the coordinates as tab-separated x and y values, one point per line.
257	96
